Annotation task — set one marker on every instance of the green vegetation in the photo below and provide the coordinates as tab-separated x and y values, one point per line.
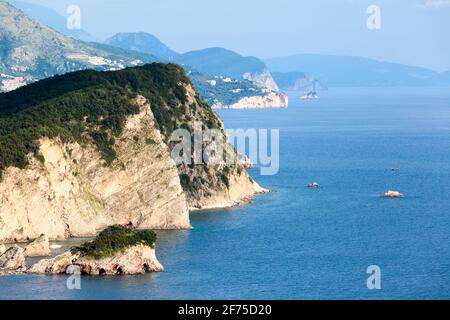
90	106
227	93
115	239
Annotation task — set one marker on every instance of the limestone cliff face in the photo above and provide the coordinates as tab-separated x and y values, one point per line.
240	189
74	193
269	97
70	189
270	100
263	79
12	261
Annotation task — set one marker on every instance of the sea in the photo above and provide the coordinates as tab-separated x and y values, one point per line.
312	243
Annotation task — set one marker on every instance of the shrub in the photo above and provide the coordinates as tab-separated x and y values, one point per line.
115	239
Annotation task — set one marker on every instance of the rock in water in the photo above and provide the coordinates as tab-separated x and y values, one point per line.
393	194
13	260
57	265
115	251
135	260
40	247
313	185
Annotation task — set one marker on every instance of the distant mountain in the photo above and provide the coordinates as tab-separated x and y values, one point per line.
298	81
227	63
30	51
50	18
344	71
210	61
223	77
218	62
222	62
142	42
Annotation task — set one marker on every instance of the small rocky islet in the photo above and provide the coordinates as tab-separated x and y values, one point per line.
118	250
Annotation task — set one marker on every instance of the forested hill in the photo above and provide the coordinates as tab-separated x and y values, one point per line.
92	105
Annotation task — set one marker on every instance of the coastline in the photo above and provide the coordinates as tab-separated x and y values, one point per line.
230	204
219	206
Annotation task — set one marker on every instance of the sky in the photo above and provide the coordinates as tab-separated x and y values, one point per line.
414	32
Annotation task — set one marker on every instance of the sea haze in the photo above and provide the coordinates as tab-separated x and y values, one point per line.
300	243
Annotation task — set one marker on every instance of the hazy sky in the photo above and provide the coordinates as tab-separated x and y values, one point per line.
412	31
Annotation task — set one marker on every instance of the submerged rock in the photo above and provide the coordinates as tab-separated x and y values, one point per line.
13	260
40	247
393	194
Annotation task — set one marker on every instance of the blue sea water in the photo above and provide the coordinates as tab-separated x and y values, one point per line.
300	243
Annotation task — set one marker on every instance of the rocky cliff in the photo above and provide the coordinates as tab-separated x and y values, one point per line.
263	79
269	100
90	165
12	261
234	79
72	193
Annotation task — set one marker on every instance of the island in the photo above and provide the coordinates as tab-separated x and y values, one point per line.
118	250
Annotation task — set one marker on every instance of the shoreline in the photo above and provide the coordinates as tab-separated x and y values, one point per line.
220	206
230	205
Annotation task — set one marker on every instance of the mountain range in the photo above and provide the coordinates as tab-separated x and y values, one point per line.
216	62
142	42
297	72
51	18
31	50
346	71
298	81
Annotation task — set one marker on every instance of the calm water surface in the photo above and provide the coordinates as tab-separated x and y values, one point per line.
298	243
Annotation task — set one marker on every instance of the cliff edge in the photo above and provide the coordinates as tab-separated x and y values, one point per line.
87	150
